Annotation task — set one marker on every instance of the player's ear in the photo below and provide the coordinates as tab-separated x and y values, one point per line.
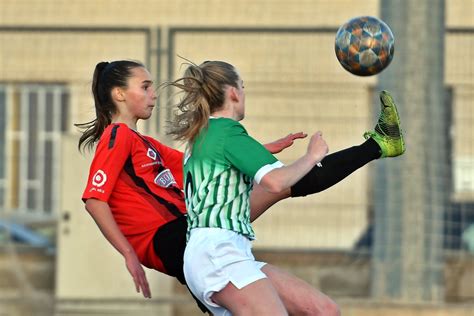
118	94
233	95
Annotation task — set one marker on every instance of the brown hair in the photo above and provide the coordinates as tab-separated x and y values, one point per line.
106	77
204	88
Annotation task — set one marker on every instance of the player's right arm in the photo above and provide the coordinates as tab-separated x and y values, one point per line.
102	215
112	151
251	158
280	179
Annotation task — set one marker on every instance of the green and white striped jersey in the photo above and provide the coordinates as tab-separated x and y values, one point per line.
219	176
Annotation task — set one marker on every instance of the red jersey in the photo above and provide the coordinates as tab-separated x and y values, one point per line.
141	180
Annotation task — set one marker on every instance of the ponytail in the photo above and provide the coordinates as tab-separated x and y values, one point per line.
106	77
203	88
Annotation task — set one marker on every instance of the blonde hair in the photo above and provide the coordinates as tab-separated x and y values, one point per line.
203	88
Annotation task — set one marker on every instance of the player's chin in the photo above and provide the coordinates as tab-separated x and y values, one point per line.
146	115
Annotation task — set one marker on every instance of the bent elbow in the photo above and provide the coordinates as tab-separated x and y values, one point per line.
271	185
276	188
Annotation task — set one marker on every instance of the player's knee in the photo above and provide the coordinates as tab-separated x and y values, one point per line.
319	307
332	309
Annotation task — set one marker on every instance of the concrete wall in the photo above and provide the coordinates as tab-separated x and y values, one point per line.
343	276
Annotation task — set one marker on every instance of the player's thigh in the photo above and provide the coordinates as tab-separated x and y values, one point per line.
299	297
261	200
256	298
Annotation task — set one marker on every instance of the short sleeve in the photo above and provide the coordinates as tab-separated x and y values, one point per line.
248	155
110	156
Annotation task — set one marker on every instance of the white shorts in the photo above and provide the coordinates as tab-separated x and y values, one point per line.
213	258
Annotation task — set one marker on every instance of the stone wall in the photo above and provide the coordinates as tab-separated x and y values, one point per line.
27	287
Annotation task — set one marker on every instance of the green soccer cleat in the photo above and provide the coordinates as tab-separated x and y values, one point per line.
388	132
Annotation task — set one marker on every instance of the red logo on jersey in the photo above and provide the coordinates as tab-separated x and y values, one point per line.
99	178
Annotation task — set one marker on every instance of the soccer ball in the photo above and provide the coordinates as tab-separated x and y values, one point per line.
364	46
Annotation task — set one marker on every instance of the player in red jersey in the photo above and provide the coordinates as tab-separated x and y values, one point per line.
134	186
135	174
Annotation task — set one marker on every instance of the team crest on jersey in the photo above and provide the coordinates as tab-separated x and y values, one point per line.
151	153
99	178
165	179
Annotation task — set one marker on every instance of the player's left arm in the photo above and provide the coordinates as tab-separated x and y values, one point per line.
280	144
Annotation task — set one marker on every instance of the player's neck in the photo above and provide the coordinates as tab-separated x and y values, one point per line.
227	112
129	121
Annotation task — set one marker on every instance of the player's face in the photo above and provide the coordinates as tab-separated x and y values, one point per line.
140	95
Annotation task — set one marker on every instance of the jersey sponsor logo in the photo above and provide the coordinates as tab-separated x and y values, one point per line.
99	178
165	179
150	164
97	190
151	153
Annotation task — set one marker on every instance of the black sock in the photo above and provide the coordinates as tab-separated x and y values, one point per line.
336	167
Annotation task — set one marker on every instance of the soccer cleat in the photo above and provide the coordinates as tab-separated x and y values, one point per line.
388	132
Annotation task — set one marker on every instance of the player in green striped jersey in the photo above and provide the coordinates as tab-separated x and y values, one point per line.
219	176
222	164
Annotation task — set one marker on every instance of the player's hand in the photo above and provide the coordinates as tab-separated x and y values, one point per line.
138	275
282	143
317	146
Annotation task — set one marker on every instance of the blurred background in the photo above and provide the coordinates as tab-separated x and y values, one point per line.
395	238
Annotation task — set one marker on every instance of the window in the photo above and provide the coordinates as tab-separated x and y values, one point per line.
32	119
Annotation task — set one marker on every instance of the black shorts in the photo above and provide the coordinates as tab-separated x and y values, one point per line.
169	243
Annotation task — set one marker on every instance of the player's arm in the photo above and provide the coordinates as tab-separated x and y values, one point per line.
249	156
102	215
278	145
275	186
280	179
261	199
